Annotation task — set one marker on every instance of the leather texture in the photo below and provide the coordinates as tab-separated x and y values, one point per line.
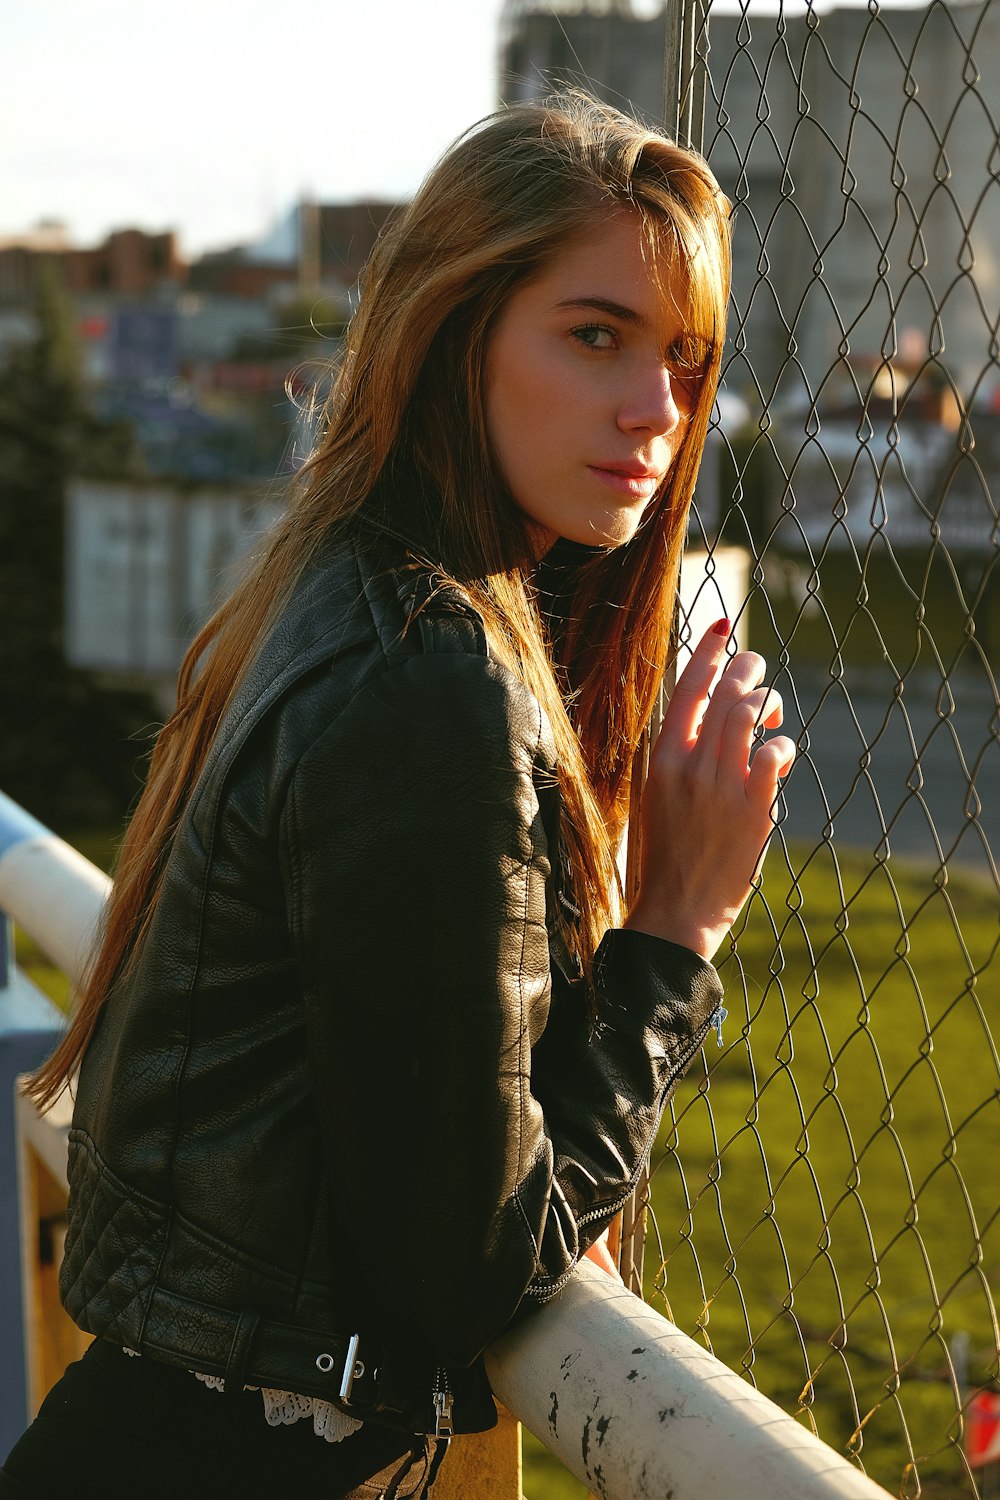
350	1084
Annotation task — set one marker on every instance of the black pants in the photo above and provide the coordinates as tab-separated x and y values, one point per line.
119	1428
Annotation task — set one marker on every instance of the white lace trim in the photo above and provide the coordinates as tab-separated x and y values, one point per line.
282	1408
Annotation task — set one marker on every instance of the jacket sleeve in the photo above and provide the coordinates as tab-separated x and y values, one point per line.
416	862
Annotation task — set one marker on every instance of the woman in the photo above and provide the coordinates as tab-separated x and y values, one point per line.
367	1062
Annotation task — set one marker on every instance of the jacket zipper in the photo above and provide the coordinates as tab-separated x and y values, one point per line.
719	1014
610	1209
443	1403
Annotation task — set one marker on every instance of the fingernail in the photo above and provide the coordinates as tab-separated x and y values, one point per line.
722	627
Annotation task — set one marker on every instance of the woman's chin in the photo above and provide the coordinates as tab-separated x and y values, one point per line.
606	531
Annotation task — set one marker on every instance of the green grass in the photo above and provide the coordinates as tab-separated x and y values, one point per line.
50	980
912	609
839	1160
825	1188
544	1477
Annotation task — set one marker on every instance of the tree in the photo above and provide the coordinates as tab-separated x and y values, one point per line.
64	750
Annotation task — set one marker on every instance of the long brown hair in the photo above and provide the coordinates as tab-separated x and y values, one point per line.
406	417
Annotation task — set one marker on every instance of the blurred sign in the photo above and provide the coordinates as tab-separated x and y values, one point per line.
910	483
146	566
142	343
983	1429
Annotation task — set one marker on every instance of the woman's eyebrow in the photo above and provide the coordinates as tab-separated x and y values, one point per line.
605	305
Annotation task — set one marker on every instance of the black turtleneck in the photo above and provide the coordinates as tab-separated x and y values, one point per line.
555	581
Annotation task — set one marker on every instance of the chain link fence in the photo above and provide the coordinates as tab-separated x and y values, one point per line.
837	1161
824	1197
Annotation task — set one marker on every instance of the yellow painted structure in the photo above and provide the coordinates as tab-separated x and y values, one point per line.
483	1465
52	1340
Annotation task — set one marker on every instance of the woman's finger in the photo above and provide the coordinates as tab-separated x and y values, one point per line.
691	691
759	710
742	677
772	762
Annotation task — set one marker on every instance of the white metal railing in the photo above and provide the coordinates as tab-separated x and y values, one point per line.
624	1399
55	894
635	1408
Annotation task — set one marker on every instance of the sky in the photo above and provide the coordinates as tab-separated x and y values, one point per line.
213	117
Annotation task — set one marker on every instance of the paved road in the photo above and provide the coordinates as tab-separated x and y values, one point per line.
916	809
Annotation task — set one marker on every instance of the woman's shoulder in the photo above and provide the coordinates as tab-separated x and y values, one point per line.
416	608
358	598
379	586
379	622
431	630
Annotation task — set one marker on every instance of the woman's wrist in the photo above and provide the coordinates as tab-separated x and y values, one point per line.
671	927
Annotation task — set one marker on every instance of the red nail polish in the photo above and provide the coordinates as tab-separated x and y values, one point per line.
722	627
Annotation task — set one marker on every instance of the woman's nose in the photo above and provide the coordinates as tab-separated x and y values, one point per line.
650	404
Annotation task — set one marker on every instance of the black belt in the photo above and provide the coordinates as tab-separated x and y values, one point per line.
247	1349
359	1373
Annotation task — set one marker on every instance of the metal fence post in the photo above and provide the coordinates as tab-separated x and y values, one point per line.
685	71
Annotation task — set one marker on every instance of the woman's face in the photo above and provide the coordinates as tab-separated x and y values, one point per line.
583	409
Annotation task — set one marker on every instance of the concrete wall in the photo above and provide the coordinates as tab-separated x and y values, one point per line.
145	566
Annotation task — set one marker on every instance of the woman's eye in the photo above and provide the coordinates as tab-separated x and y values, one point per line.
596	336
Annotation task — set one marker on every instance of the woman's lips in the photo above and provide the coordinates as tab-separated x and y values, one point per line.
640	486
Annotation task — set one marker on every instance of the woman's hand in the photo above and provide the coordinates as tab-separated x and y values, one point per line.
707	806
601	1256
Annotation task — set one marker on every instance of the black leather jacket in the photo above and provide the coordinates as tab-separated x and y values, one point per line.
349	1085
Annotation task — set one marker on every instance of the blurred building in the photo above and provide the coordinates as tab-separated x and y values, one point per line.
860	156
210	362
19	254
128	263
216	367
603	45
315	246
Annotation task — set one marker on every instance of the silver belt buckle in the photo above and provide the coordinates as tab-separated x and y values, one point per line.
352	1367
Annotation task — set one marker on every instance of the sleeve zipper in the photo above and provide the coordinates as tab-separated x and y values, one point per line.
608	1210
718	1016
